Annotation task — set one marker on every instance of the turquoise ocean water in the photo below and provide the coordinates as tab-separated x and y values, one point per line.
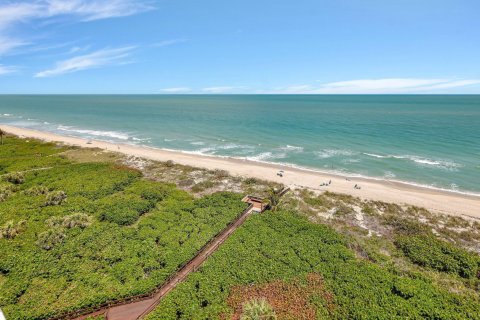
430	140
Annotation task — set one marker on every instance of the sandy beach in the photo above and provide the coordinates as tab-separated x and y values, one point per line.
388	191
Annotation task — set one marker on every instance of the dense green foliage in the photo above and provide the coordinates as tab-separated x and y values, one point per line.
78	235
283	245
428	251
21	155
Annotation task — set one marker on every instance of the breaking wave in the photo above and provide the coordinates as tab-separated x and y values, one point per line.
96	133
330	153
422	161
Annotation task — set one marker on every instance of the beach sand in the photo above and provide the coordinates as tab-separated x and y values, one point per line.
388	191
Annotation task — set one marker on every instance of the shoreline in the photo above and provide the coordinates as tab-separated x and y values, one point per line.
437	200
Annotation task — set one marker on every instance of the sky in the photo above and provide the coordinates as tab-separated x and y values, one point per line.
231	47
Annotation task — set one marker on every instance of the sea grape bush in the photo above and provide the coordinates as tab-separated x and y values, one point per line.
428	251
15	177
123	209
36	190
80	220
20	155
48	239
282	246
55	198
79	253
11	229
5	192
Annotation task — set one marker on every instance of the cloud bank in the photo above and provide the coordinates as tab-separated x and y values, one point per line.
176	90
380	86
217	90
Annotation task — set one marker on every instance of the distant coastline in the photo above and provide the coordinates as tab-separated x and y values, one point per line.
428	141
442	201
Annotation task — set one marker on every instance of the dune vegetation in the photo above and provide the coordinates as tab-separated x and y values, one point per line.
80	227
79	234
285	250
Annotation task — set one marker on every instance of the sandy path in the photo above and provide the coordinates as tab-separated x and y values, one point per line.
400	193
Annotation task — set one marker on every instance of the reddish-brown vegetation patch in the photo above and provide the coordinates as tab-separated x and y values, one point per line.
290	300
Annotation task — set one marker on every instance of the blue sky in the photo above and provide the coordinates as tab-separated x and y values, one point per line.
248	46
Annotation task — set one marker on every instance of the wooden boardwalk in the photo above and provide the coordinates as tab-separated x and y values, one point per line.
138	309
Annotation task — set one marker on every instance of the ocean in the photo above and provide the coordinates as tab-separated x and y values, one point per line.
428	140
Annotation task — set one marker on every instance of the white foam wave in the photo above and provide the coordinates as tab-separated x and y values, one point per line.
231	146
375	155
261	156
389	175
442	164
291	148
329	153
350	160
140	139
423	161
267	156
197	143
110	134
206	150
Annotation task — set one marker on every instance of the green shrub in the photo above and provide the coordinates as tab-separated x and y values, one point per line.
15	177
201	186
344	210
150	191
123	209
11	229
405	226
55	198
428	251
282	245
250	181
80	220
36	191
5	192
48	239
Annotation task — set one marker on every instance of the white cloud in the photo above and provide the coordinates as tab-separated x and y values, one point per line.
11	13
15	13
8	44
86	10
90	10
219	89
379	86
7	69
168	42
176	90
78	49
95	59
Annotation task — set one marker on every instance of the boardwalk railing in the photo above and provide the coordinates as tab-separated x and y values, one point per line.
151	294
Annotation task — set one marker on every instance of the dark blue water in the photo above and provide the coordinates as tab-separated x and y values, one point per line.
422	139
